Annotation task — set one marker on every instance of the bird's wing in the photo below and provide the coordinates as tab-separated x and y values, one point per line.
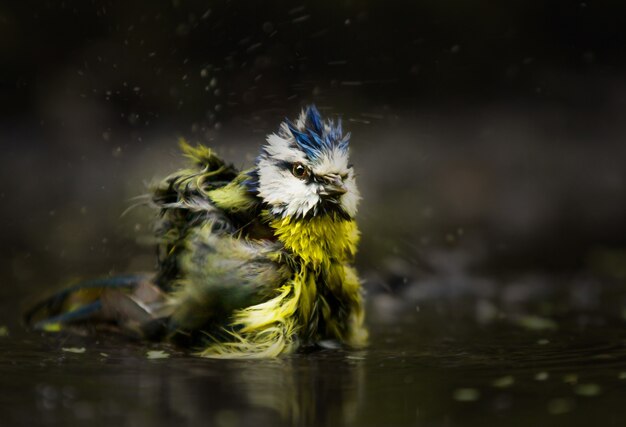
221	274
209	192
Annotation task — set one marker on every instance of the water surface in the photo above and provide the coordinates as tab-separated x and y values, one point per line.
455	359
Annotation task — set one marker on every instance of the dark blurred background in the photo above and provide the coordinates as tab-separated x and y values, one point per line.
491	133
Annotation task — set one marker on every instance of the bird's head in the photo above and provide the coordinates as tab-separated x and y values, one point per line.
303	170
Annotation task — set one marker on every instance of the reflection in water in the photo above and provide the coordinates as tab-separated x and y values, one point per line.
299	390
308	392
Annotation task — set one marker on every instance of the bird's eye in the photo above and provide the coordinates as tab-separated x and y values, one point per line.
299	171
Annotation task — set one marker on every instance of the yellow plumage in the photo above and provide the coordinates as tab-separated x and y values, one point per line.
251	264
324	245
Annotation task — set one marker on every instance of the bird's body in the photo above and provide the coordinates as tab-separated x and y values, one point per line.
251	264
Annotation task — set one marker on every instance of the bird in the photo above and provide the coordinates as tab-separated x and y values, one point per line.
257	263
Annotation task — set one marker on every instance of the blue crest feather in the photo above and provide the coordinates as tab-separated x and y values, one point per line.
316	138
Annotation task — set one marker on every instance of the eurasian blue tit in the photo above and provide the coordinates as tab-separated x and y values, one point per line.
252	264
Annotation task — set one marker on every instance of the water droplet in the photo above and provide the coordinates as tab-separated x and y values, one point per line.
536	323
503	382
77	350
466	394
588	390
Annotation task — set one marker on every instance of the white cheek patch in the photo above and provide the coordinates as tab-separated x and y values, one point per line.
286	194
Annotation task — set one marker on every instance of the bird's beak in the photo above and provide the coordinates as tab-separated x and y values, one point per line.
333	185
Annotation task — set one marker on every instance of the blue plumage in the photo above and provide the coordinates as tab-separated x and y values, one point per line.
315	138
252	180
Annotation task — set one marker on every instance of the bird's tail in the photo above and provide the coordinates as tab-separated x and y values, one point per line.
132	304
